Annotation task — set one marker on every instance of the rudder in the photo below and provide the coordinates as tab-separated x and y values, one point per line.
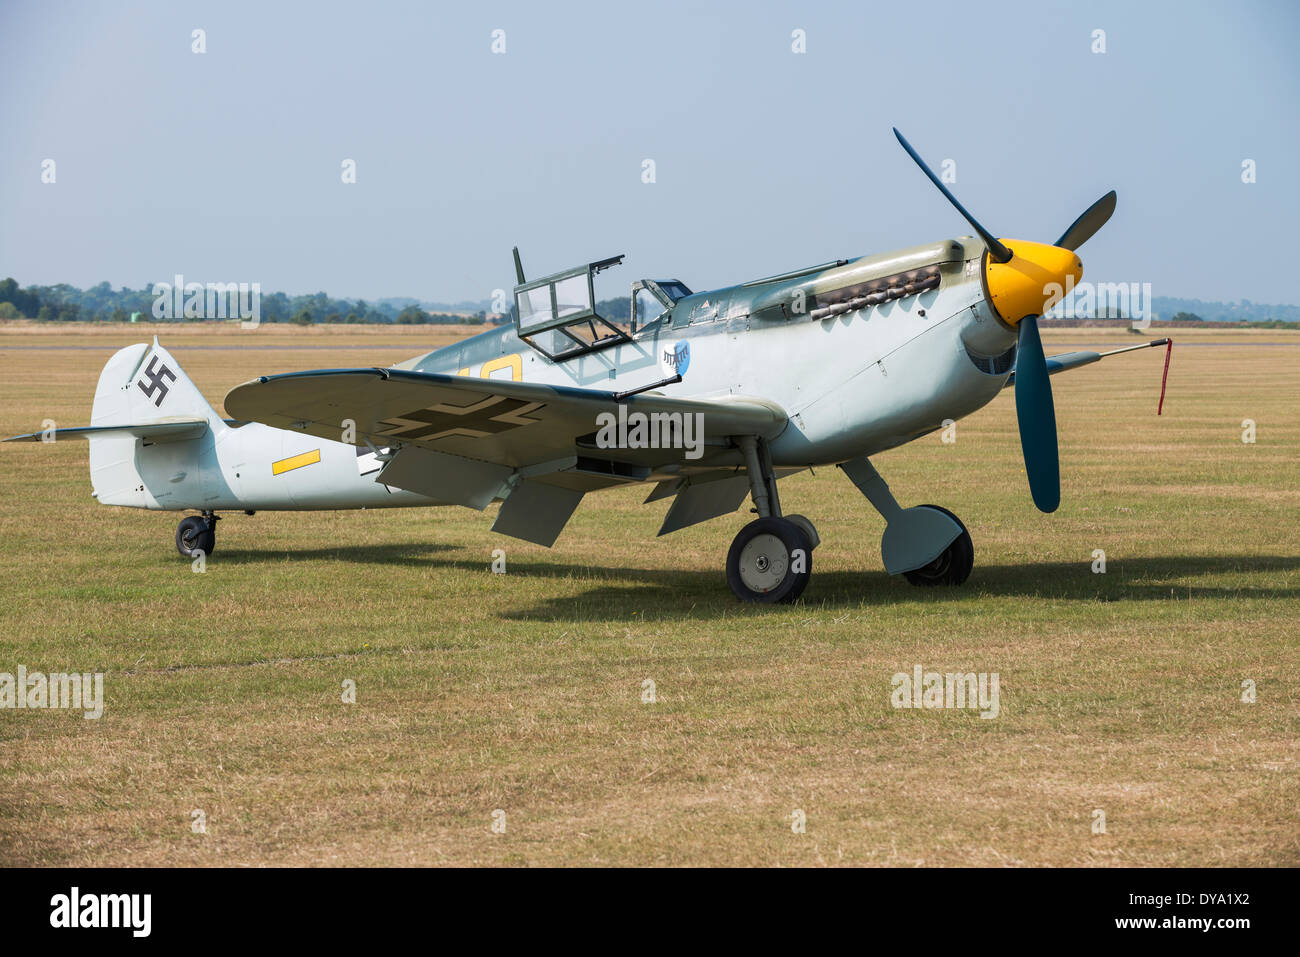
143	384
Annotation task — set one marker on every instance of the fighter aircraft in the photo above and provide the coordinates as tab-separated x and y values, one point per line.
709	397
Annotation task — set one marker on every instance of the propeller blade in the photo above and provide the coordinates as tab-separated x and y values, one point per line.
1037	417
998	251
1093	218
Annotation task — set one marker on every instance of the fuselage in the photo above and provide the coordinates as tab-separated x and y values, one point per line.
862	355
854	382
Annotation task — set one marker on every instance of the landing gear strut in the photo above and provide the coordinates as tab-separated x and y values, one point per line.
197	534
926	544
770	560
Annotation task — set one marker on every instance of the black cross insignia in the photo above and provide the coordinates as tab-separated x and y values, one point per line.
156	379
489	416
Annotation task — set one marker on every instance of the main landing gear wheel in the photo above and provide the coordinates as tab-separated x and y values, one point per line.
196	534
953	566
770	561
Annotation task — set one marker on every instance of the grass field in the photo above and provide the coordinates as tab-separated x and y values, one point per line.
1120	692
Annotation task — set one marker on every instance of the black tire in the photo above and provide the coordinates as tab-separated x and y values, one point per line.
193	535
954	566
762	562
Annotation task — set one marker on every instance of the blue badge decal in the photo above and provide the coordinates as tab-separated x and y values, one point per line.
676	358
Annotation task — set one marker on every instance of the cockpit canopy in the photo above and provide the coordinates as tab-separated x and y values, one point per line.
675	288
557	316
651	298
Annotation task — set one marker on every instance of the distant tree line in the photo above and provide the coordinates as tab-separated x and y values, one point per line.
1185	317
102	303
620	308
1241	311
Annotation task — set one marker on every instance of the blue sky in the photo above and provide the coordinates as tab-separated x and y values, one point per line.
225	166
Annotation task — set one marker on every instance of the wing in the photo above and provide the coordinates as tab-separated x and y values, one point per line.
471	440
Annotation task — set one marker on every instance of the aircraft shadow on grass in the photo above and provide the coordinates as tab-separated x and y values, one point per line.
656	593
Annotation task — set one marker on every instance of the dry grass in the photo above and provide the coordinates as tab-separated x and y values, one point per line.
523	692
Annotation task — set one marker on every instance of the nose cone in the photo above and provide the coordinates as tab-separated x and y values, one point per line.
1034	279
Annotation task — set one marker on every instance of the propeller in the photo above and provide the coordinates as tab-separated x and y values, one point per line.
1093	218
1018	292
1036	415
998	251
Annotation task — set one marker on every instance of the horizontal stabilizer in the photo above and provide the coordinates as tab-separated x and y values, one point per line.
168	431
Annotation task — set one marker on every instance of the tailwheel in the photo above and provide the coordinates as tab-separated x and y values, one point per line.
953	566
770	561
196	534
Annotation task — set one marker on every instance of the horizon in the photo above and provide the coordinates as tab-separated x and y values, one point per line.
470	308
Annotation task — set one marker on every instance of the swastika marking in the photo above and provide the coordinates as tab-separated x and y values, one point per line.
157	381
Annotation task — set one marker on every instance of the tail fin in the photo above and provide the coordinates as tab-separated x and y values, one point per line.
144	384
